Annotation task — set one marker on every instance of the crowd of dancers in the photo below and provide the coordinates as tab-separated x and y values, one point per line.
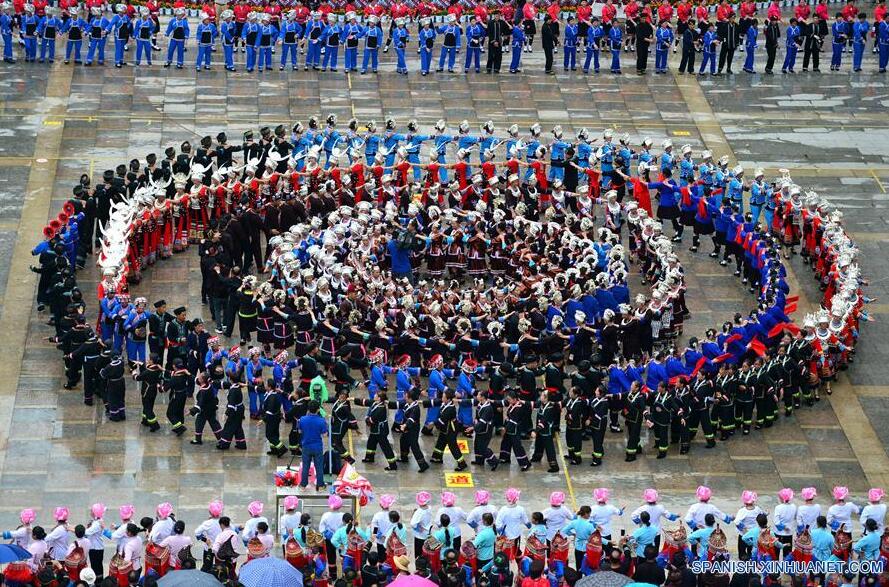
312	35
494	294
507	543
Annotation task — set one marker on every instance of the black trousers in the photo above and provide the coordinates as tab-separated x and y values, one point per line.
495	58
293	440
544	443
381	440
90	380
512	444
481	447
337	442
156	346
702	418
615	405
201	419
148	399
72	370
662	437
811	52
233	431
744	409
409	443
599	441
687	63
683	434
331	558
447	440
726	55
548	54
641	56
574	440
770	59
97	557
743	548
176	410
273	431
418	547
634	433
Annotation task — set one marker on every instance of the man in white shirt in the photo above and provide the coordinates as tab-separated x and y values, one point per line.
289	522
694	517
57	539
163	527
380	523
482	507
840	513
874	510
421	522
807	514
784	516
655	510
512	519
602	512
330	522
455	513
557	515
95	533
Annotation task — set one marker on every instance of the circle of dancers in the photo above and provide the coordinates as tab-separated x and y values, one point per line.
485	298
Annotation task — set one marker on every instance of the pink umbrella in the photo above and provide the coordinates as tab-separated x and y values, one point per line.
411	581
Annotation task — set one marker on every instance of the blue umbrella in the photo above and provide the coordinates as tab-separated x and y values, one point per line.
269	572
10	553
188	578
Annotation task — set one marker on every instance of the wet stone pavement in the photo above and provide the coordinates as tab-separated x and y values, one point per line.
831	130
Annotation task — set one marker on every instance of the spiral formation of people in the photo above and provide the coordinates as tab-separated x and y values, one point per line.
515	291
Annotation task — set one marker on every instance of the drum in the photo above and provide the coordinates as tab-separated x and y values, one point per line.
594	550
842	544
394	547
314	539
469	556
535	549
802	547
295	554
717	546
18	572
767	545
74	563
432	552
354	550
256	549
559	548
120	569
157	558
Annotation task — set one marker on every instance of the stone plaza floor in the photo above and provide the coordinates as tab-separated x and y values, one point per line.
831	130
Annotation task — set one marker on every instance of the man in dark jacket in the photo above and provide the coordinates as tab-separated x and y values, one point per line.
728	45
689	48
813	42
649	571
550	38
773	34
497	30
644	39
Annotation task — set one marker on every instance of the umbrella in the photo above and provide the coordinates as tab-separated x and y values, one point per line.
10	553
604	579
269	572
188	578
411	581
